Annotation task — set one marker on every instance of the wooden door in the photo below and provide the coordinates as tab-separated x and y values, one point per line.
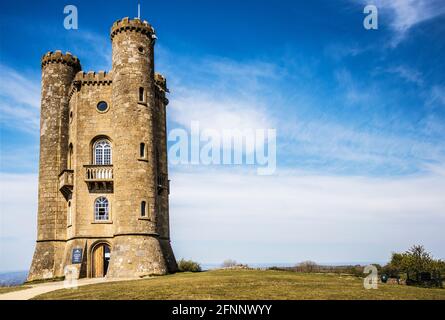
98	261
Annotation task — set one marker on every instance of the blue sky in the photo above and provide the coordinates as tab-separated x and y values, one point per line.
360	119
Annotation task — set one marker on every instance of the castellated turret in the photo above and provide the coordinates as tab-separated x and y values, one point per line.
103	179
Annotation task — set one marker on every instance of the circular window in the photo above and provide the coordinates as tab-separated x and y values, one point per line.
141	49
102	106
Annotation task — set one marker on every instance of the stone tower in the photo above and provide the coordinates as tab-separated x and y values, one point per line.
103	179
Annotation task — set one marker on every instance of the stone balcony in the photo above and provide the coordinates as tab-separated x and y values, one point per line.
99	178
66	183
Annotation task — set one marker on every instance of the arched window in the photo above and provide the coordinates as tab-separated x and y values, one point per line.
142	150
143	209
102	152
101	209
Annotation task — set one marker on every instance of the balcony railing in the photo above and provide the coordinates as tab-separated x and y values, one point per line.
66	182
99	178
99	172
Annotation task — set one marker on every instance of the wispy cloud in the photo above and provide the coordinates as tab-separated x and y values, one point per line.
406	14
353	94
437	95
407	73
19	100
221	93
94	50
19	87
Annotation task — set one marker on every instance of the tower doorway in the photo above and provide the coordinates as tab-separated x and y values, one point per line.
101	258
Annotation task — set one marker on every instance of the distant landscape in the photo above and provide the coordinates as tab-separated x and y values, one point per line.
13	278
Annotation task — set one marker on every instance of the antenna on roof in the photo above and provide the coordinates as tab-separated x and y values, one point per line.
139	10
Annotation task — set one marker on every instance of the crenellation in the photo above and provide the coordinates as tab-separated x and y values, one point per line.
59	57
127	24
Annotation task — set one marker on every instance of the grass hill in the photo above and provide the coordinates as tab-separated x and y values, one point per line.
245	284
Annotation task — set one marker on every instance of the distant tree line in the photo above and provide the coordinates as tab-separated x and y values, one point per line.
415	266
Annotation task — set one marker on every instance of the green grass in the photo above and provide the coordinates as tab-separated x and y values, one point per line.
245	284
11	289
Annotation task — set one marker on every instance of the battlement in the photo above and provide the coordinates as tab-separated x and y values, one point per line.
89	78
59	57
135	25
93	78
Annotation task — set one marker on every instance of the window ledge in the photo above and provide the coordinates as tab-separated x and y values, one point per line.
102	222
144	218
143	103
143	159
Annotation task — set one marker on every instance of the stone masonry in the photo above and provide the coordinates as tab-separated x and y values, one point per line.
73	174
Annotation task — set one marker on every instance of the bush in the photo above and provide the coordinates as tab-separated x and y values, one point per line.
188	266
275	268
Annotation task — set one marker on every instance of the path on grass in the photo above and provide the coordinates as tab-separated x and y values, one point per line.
41	288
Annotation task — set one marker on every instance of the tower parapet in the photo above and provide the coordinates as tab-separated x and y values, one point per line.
137	25
59	57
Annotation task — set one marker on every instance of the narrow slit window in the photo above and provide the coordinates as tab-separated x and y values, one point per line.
70	218
142	150
143	209
141	94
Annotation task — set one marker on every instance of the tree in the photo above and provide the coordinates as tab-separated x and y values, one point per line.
418	264
229	263
418	259
307	266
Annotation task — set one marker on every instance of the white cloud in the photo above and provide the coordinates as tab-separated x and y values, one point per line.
302	216
219	93
217	112
19	100
19	87
18	218
289	217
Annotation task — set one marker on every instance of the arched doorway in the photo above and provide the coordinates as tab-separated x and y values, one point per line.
100	260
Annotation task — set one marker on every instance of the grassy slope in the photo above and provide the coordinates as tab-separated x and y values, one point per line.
245	284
